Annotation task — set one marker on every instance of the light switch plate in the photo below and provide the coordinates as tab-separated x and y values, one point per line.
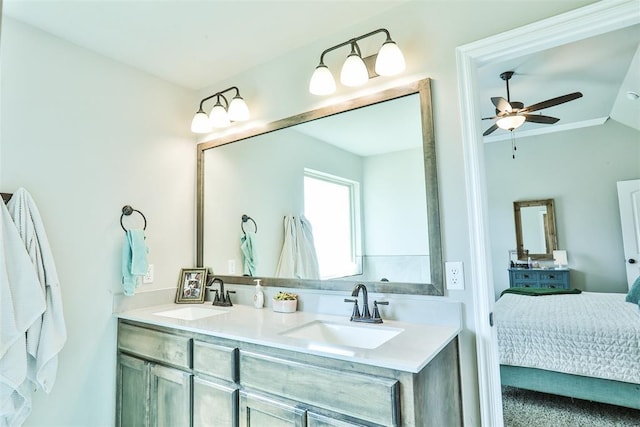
148	278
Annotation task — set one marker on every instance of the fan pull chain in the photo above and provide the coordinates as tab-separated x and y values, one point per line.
513	146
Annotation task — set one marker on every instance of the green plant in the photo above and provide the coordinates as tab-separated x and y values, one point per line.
285	296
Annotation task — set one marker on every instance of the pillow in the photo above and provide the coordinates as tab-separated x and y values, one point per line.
634	292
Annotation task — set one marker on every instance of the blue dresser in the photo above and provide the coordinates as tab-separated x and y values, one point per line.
539	278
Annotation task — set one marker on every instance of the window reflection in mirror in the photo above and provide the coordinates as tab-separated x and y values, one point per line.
535	229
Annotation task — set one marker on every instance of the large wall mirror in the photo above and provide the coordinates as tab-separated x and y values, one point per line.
362	173
535	229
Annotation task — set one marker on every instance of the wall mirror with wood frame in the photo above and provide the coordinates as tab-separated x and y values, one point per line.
383	144
536	236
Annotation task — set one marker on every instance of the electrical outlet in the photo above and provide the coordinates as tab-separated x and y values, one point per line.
148	278
231	266
454	275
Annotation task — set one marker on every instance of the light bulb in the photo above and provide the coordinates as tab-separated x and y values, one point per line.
390	60
322	82
218	117
238	109
200	123
510	122
354	71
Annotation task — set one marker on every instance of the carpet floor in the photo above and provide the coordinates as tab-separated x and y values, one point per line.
524	408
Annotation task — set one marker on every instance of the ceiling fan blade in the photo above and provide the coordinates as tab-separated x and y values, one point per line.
490	130
552	102
536	118
501	104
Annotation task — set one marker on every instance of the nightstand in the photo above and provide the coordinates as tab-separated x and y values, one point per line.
539	278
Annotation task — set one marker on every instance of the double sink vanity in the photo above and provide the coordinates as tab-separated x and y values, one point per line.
201	365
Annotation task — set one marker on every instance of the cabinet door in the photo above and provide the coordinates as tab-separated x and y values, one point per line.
214	404
258	410
170	401
317	420
132	397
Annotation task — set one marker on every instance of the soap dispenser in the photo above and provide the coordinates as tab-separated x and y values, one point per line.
258	296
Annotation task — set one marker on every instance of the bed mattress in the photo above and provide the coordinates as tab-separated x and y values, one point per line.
589	334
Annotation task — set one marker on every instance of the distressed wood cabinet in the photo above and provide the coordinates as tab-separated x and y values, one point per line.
174	377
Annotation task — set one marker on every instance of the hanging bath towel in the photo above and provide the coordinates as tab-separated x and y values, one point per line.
22	303
134	260
46	337
249	253
298	259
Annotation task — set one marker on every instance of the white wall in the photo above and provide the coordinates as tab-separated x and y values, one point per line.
86	136
428	33
579	170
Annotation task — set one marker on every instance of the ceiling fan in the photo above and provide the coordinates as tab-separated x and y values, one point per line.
512	114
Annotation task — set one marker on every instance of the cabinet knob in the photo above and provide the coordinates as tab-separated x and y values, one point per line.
632	261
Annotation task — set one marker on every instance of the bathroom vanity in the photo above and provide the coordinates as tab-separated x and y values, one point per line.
204	366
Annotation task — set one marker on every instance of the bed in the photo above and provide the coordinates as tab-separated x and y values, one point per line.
583	345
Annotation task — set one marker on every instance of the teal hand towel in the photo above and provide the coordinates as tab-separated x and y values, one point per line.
248	248
134	260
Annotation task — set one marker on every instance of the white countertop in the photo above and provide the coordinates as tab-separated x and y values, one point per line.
410	351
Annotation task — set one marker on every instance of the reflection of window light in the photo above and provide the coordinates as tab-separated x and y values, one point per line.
331	206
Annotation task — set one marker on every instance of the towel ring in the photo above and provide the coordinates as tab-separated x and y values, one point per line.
246	218
128	210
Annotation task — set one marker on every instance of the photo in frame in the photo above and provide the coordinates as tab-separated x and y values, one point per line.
191	286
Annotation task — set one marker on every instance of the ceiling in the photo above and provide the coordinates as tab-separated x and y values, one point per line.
193	43
167	39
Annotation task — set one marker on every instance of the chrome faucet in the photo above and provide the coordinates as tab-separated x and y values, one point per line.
220	298
365	316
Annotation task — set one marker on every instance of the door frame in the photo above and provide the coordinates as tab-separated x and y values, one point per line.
595	19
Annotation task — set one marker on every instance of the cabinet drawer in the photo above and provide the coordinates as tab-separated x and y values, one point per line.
552	277
215	360
155	345
365	397
525	275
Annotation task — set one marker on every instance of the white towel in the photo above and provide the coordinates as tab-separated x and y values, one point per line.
22	303
45	338
298	258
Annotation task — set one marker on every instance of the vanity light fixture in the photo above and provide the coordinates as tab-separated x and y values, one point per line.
389	62
221	115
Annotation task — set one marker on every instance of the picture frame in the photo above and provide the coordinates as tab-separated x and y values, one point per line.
191	286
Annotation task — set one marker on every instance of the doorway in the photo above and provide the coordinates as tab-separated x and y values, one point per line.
592	20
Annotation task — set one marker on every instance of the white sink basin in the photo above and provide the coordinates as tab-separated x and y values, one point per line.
190	313
352	335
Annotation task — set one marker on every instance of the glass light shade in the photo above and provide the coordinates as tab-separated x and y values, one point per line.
510	122
200	123
390	60
238	109
354	71
218	118
322	82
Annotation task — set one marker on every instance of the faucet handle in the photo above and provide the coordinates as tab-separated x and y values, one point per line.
229	297
356	311
376	313
216	297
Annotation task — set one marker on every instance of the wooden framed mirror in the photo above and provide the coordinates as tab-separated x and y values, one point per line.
398	114
536	236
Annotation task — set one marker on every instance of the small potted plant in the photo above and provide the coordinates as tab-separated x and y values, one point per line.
285	302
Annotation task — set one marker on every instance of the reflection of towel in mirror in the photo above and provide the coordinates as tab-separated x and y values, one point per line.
249	253
134	260
48	335
22	303
298	258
